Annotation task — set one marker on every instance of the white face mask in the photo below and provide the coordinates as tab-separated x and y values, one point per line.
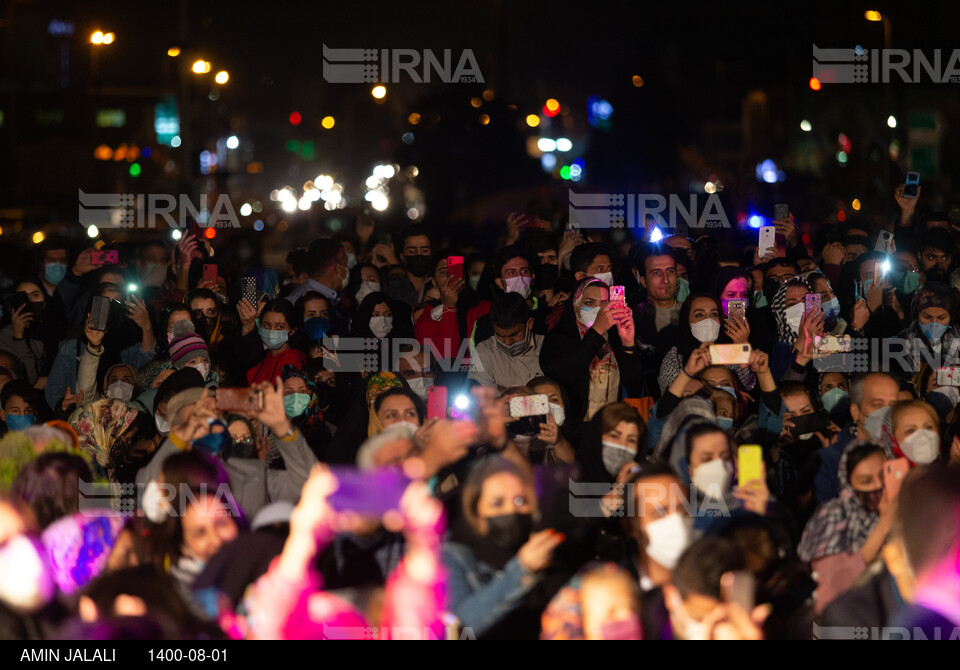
154	504
921	446
474	282
588	315
558	413
162	426
120	390
793	315
615	456
420	386
346	277
684	626
713	478
706	330
202	368
605	277
366	288
381	325
351	261
874	423
668	537
25	581
521	285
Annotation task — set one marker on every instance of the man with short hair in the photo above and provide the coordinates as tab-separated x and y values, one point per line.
416	252
870	395
512	356
592	259
327	270
657	317
936	253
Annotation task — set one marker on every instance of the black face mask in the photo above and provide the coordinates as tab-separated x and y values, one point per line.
935	274
510	531
770	288
546	275
870	500
418	266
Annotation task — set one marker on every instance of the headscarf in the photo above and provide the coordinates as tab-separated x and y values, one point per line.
79	545
841	526
100	425
724	276
563	617
590	454
313	417
377	385
779	308
605	362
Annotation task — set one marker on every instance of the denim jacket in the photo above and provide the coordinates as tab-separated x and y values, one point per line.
480	595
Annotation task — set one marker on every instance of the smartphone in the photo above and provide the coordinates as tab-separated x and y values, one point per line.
910	187
810	423
832	344
893	473
368	492
781	211
100	312
948	376
811	303
730	354
210	273
529	405
437	402
242	399
248	290
768	240
884	242
858	291
455	267
749	464
740	588
111	257
618	294
735	309
572	228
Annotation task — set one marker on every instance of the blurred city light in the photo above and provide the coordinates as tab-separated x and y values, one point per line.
246	209
484	119
233	142
656	235
872	15
476	101
842	157
551	108
379	92
295	118
328	122
135	170
756	221
210	233
222	77
545	144
201	67
176	234
855	204
173	52
563	144
413	119
533	120
175	142
637	80
92	231
97	37
108	38
548	162
38	237
258	225
892	121
805	126
814	83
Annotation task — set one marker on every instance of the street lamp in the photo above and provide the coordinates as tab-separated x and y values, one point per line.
201	67
872	15
222	77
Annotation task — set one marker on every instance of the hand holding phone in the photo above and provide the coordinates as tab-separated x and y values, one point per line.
893	473
240	400
437	402
911	185
454	268
749	464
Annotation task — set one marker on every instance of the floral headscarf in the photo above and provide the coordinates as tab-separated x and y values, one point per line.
100	425
79	545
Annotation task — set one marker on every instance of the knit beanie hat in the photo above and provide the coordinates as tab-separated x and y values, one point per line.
185	348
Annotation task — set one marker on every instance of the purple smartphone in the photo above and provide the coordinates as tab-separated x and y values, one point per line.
368	492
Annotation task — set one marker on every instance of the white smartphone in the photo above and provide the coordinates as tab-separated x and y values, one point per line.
768	240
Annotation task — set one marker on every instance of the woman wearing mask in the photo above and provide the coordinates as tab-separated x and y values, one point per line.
835	396
26	334
494	560
732	283
847	533
369	281
833	323
211	321
614	438
700	323
303	409
555	433
592	351
796	330
176	320
915	428
398	405
274	330
931	335
376	318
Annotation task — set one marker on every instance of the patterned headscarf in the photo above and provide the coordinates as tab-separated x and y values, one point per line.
563	617
779	308
841	526
79	545
377	385
605	355
100	425
313	416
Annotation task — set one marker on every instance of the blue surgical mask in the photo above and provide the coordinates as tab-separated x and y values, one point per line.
588	315
683	289
212	444
274	339
833	397
831	310
933	331
911	282
728	389
296	404
16	422
725	422
54	272
759	299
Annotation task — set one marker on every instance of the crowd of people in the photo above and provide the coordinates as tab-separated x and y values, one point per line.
540	436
